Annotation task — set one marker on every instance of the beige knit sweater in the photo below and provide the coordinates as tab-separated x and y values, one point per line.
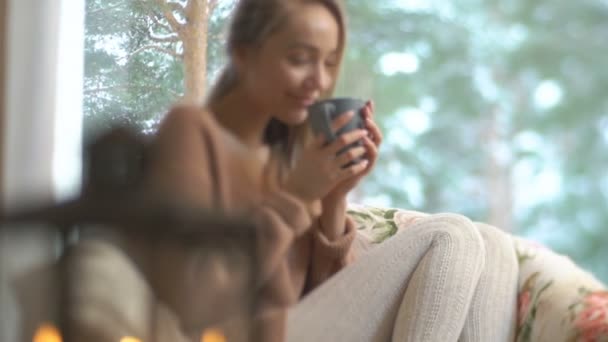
198	162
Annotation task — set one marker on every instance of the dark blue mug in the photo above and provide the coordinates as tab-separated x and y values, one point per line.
323	113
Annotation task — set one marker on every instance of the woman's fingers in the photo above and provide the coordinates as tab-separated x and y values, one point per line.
320	141
341	121
353	170
367	110
345	140
374	131
371	151
350	155
370	125
361	168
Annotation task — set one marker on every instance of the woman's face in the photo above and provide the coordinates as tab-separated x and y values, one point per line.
294	66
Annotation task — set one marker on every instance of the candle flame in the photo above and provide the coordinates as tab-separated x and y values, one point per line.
213	335
129	339
47	333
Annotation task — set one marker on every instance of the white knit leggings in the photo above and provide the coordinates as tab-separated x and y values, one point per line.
443	278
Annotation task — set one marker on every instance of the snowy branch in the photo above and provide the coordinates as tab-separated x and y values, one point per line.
169	38
157	22
168	9
129	87
157	48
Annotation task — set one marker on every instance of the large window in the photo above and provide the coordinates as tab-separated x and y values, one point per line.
142	55
493	109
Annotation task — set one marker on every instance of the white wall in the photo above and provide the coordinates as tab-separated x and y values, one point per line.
43	100
41	145
67	164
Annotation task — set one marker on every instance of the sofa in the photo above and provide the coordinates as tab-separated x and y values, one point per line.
557	300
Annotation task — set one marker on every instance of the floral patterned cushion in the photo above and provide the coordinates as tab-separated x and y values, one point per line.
557	301
378	224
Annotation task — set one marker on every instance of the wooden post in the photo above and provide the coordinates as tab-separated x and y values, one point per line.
3	33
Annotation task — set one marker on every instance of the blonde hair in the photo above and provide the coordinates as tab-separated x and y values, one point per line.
253	22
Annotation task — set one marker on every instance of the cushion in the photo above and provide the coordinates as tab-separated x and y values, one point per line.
558	300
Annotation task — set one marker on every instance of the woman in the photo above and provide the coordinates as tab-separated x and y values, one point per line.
248	152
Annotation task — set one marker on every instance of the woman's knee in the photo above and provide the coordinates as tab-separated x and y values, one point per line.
496	239
457	230
457	225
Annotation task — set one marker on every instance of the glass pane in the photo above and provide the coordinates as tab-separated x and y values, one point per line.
497	110
494	110
136	62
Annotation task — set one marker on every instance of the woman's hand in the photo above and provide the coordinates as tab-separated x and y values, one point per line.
370	124
371	144
319	169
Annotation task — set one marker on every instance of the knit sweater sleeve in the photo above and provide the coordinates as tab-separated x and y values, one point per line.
280	218
330	256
